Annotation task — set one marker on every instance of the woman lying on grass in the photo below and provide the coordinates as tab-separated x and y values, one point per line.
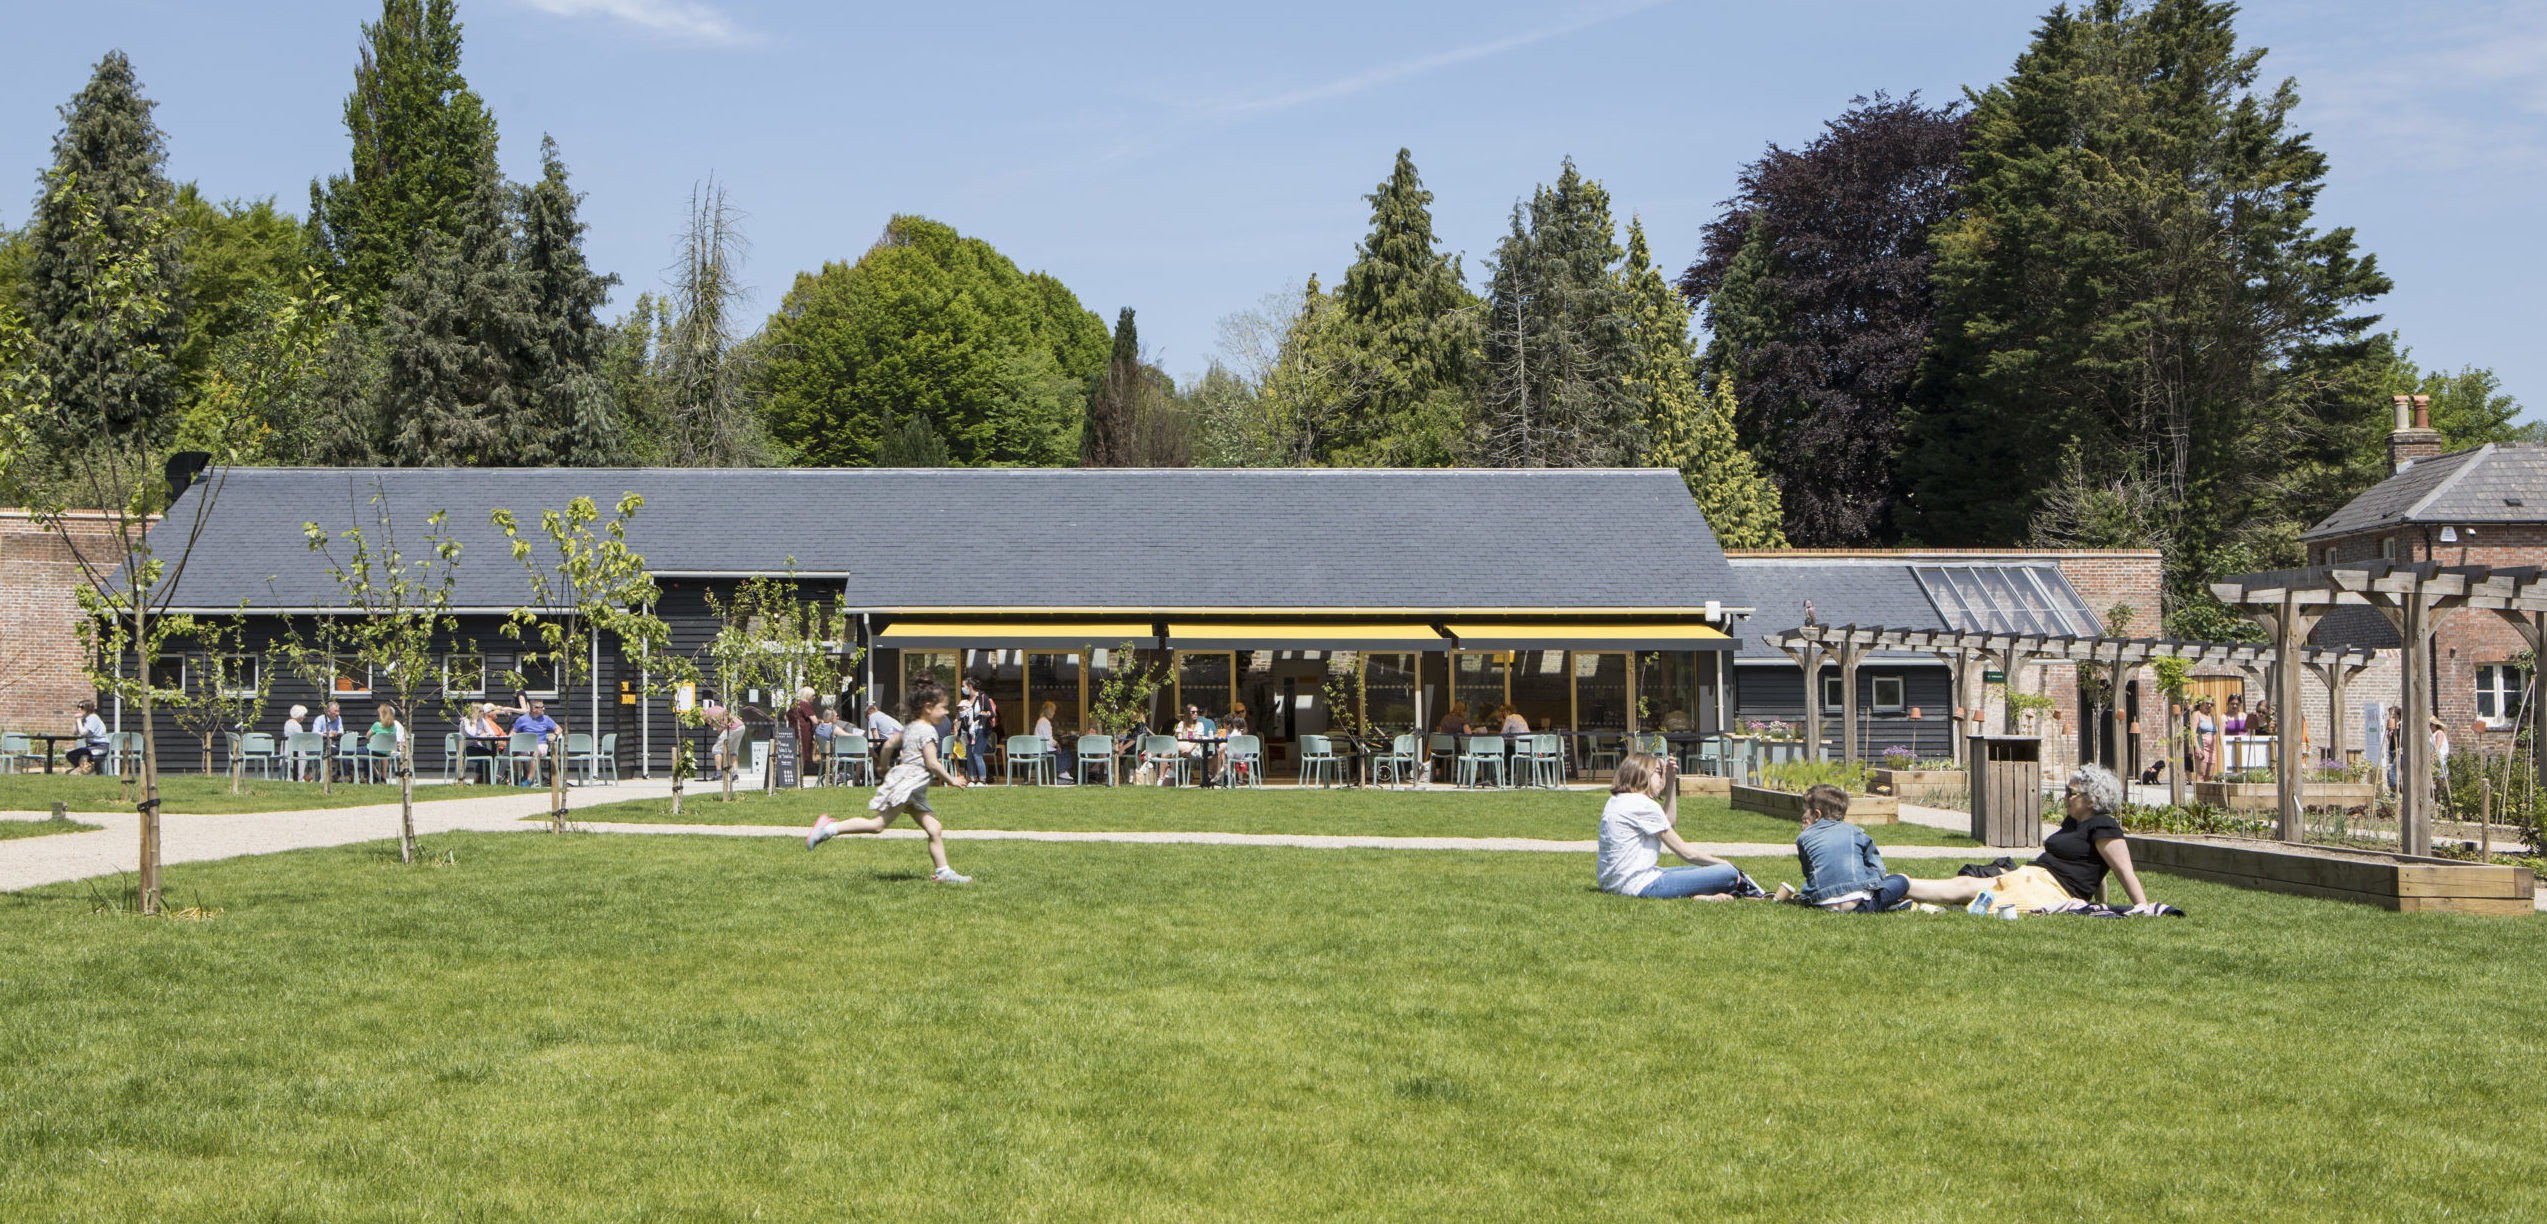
1843	872
2073	862
1638	823
906	786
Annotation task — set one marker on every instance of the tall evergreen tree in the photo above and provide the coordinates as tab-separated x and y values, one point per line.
1405	336
418	134
1815	279
2134	297
1560	352
454	331
569	417
108	161
1114	401
1684	428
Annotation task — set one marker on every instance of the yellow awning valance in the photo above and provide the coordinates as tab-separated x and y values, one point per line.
1473	636
995	635
1188	635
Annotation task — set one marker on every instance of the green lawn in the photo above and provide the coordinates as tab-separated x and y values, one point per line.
38	828
1551	815
619	1028
194	793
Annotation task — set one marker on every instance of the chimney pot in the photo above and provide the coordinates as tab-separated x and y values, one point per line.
2405	408
2423	412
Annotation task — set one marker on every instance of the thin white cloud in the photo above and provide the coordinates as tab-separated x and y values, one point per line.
678	19
1415	66
2421	96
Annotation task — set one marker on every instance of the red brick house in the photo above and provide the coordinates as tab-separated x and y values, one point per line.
2485	506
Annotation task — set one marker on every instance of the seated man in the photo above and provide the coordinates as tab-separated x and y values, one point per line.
532	719
1843	872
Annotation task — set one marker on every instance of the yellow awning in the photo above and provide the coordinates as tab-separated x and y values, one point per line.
1473	636
1189	635
996	635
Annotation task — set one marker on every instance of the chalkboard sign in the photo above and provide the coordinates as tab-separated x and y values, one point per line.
783	759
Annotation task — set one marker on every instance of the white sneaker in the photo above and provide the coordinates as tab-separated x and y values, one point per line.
822	832
946	875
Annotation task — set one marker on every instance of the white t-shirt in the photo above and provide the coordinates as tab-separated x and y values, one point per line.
1631	843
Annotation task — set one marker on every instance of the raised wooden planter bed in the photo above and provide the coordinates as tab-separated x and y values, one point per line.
2267	797
1704	784
1862	809
2408	883
1916	784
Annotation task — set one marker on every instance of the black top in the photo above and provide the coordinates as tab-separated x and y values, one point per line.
2070	853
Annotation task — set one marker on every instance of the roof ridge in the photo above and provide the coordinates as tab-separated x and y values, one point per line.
2450	481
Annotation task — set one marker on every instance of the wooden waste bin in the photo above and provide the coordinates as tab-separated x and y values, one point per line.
2007	795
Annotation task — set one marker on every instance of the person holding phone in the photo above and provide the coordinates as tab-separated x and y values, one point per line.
1639	822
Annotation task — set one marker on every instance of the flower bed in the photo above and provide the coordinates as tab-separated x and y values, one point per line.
2406	882
1862	809
1917	784
2266	796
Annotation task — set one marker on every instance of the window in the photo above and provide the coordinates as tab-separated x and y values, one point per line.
464	674
168	676
352	678
2387	548
2498	694
539	678
1833	696
1888	695
239	675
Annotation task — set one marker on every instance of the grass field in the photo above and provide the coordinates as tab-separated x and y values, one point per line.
194	793
1551	815
10	829
596	1027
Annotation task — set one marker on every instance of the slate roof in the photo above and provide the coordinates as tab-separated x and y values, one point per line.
1280	539
2498	482
1853	591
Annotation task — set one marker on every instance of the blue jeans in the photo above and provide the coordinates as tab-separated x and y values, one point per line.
1692	882
977	757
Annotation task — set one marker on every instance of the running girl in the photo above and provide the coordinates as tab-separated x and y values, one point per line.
906	785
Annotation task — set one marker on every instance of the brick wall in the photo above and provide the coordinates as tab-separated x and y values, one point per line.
40	653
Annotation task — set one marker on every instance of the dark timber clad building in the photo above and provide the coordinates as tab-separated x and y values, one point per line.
1590	599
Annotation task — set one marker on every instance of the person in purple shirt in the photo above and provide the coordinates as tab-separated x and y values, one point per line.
531	716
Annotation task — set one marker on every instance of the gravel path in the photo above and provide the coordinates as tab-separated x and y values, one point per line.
32	861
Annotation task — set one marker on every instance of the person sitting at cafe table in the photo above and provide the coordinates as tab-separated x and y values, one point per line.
1454	720
531	717
1192	731
481	737
1237	725
91	748
1514	723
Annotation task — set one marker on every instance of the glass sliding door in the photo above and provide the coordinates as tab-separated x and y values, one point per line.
1205	678
1002	674
1600	692
1479	680
920	667
1055	677
1667	691
1542	690
1388	692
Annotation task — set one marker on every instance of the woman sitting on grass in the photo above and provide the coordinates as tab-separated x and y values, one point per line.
906	785
2074	859
1843	871
1639	822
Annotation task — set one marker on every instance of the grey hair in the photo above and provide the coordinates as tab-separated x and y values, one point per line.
2104	791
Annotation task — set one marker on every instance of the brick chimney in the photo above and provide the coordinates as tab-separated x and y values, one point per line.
2413	438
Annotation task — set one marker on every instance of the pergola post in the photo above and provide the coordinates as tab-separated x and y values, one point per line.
1808	657
1850	654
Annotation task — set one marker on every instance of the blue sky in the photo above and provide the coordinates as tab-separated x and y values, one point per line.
1188	160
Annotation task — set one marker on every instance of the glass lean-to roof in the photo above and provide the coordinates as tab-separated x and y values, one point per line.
2007	599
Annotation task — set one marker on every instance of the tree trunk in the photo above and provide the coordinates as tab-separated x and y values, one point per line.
676	794
238	772
146	897
557	768
407	799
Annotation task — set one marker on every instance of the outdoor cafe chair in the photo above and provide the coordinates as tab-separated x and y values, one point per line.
1484	756
1031	752
256	748
349	754
1652	743
307	752
850	764
1540	758
1164	752
1444	748
124	748
1096	752
16	751
579	752
1602	753
1318	761
1404	757
382	753
522	746
451	753
1244	756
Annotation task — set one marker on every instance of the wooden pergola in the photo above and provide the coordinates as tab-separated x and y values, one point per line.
2412	597
1811	646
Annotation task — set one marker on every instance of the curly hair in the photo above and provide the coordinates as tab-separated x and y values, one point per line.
2104	791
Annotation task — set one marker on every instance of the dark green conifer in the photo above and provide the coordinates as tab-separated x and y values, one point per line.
455	330
568	416
1404	334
